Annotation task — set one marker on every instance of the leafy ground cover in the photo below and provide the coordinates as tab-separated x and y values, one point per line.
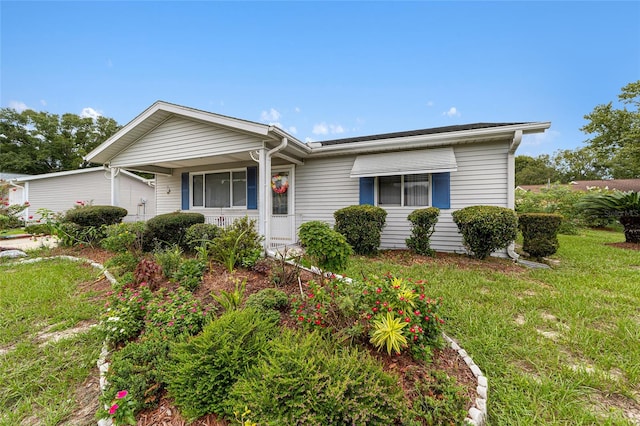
559	346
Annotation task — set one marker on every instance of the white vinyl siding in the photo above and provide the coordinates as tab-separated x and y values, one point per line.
60	193
180	139
481	179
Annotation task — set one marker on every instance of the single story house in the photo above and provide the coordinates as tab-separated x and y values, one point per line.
622	185
226	168
61	191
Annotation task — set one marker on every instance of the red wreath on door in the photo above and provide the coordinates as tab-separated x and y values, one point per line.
279	184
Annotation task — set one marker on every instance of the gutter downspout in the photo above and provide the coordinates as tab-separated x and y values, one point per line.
267	192
511	184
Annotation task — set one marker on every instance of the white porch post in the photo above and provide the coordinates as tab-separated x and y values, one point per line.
264	170
115	188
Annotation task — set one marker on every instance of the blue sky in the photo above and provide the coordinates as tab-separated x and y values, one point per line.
326	70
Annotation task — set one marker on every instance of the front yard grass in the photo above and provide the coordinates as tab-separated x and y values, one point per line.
39	378
559	346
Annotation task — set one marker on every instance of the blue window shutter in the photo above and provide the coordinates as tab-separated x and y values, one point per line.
185	191
440	184
252	188
367	186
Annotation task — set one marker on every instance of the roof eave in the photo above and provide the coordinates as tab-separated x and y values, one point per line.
430	140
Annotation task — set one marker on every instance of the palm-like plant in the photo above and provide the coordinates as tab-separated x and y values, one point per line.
387	331
624	206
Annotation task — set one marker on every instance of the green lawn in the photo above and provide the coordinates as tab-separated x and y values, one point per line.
39	381
558	346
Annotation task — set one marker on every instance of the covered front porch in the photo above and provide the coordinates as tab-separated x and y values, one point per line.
219	166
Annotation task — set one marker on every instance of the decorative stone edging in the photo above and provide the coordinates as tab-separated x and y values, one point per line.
478	412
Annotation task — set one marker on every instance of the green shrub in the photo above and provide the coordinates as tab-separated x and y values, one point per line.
201	371
423	222
169	229
486	229
362	226
95	215
200	233
4	222
327	248
540	233
175	313
124	317
122	263
126	236
189	273
437	400
239	244
170	259
302	379
71	234
134	368
35	229
268	299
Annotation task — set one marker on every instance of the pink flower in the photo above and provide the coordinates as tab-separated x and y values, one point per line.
121	394
30	217
113	409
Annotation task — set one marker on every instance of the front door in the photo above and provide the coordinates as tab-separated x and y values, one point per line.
282	215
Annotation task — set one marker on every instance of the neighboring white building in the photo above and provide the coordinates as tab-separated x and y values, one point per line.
62	191
226	168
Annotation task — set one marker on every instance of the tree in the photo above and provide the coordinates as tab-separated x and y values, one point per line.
624	206
535	170
615	134
578	164
35	142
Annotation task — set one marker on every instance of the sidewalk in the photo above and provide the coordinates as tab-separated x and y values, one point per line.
28	243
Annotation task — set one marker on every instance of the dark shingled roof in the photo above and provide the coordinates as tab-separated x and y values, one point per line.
434	130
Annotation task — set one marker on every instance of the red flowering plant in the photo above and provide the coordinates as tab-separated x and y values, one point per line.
121	409
124	316
392	300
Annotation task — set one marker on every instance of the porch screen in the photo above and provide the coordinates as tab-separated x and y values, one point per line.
220	189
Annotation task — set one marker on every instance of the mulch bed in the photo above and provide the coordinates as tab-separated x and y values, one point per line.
627	246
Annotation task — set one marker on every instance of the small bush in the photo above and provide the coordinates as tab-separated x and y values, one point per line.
303	380
169	229
362	226
95	215
170	259
540	233
4	222
123	237
423	222
134	368
239	244
122	263
200	372
35	229
486	229
438	400
200	233
327	248
174	314
189	273
71	234
268	299
124	317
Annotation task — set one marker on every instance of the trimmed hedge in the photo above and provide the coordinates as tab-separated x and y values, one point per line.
362	226
169	229
486	229
540	233
96	215
423	222
328	248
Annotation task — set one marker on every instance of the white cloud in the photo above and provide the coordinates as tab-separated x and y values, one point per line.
453	112
309	140
18	106
43	102
325	129
430	103
89	112
296	109
276	124
271	115
293	130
